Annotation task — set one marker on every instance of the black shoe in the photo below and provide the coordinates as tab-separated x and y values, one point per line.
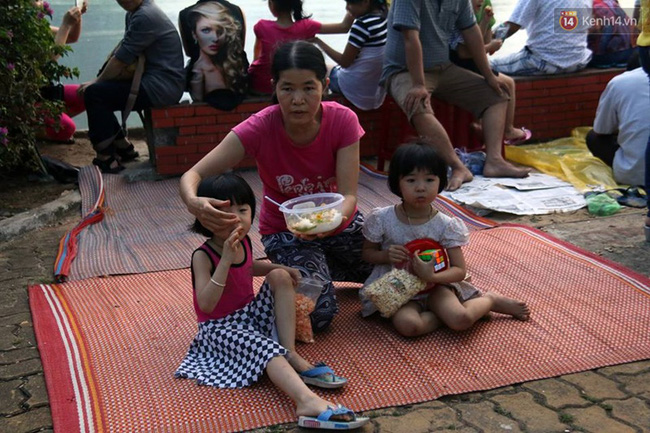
110	165
127	154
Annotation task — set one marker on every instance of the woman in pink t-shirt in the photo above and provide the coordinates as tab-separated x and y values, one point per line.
290	25
302	145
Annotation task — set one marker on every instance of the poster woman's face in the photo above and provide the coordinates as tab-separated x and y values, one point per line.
209	35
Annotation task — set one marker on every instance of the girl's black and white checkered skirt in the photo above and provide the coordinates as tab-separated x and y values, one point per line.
232	352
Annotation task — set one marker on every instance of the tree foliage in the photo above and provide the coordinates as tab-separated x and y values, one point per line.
27	63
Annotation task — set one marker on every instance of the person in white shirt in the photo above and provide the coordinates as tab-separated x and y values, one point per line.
621	127
550	47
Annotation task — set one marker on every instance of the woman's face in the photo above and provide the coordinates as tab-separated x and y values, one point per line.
299	94
209	35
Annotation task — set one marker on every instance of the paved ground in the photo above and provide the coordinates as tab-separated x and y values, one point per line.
612	399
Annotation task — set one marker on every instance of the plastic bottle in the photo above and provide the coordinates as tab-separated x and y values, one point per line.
601	204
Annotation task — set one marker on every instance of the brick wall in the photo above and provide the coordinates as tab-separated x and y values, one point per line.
552	106
181	135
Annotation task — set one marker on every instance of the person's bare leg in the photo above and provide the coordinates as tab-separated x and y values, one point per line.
427	125
285	316
286	378
493	123
511	133
517	309
412	321
459	317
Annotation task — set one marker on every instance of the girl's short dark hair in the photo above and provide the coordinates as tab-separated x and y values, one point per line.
293	6
227	186
298	55
375	5
417	155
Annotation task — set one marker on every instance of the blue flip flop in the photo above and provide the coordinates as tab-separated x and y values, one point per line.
324	419
322	376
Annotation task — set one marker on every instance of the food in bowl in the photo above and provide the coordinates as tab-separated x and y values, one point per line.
314	213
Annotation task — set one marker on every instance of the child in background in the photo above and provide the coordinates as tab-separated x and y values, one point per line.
290	24
461	56
63	129
231	316
359	66
417	174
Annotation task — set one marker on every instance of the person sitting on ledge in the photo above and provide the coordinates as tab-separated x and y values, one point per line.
416	65
550	48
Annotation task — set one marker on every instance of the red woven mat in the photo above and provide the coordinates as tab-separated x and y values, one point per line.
110	346
146	225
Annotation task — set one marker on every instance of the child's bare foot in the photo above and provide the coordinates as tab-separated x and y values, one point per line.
502	168
517	309
459	175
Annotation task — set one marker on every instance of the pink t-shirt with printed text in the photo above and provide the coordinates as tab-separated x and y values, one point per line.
270	36
289	171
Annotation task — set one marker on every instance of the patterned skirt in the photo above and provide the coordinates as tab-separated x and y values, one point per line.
232	352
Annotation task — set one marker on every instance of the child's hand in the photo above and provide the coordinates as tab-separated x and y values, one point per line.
489	13
423	269
232	245
295	274
397	254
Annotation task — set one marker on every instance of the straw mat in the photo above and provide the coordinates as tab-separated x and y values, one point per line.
110	346
145	226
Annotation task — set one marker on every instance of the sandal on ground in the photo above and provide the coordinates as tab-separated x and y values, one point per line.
327	420
109	166
634	196
520	140
127	154
322	376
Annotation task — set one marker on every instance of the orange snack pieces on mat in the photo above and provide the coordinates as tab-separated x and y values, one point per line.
304	307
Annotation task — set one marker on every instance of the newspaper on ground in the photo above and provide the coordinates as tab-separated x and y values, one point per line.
536	194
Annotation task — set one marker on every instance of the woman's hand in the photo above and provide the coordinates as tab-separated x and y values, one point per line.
232	245
397	254
206	210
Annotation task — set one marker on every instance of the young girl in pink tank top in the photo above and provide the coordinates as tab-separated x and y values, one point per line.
230	314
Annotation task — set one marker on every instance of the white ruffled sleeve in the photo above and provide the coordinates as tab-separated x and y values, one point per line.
455	234
373	229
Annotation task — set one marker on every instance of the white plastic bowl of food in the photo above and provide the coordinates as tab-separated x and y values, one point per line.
314	213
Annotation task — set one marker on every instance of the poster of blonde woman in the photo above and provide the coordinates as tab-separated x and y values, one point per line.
213	37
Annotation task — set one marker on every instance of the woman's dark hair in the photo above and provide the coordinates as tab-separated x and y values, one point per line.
417	155
297	55
293	6
227	186
375	5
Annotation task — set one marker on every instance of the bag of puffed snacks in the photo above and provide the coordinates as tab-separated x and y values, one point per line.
392	290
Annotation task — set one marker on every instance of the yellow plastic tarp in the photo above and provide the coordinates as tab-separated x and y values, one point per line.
568	159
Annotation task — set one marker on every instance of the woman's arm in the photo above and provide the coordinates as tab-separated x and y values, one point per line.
342	27
347	177
222	158
344	59
257	49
